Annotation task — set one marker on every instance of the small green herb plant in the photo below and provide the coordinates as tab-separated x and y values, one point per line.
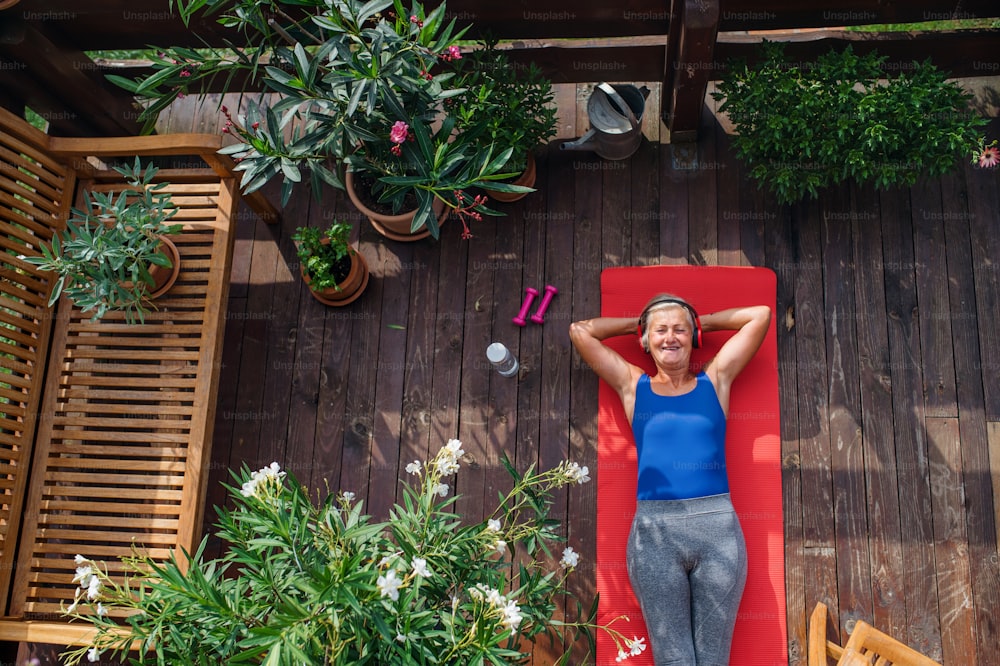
805	126
326	264
103	257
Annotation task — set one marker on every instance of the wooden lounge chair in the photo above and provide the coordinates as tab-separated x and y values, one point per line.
106	427
866	646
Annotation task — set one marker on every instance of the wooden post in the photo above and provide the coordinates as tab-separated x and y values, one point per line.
694	25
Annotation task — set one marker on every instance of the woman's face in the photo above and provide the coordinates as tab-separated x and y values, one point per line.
670	337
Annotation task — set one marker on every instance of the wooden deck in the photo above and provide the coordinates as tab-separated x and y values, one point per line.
889	353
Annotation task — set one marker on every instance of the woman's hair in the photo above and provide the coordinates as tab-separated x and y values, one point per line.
662	302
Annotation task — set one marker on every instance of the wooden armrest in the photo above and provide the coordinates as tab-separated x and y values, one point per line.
163	144
204	145
817	636
866	638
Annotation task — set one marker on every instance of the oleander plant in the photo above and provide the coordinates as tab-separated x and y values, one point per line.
305	583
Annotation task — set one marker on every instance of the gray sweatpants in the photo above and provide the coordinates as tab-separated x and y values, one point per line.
687	562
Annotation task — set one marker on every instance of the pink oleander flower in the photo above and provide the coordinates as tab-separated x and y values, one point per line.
399	132
989	157
455	52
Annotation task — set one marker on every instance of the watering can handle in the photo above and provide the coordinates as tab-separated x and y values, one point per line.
608	90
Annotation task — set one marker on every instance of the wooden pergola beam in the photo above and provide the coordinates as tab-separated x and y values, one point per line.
689	65
74	87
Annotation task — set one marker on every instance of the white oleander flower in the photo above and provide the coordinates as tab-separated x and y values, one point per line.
94	588
420	567
570	558
441	489
414	467
636	646
511	615
501	546
388	585
576	473
447	459
493	525
93	654
263	477
347	496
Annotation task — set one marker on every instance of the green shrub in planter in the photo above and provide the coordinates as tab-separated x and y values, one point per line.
805	126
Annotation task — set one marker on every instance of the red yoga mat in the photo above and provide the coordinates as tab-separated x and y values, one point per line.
753	458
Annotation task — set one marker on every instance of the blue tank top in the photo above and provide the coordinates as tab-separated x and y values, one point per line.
680	442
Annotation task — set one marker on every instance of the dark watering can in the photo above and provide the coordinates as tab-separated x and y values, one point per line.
615	113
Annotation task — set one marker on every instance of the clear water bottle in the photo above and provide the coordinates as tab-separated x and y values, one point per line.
502	360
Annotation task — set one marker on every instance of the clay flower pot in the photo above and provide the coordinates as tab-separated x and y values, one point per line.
526	179
351	287
163	277
395	227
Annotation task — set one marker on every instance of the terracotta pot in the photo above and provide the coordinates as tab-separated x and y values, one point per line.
163	277
527	179
351	287
395	227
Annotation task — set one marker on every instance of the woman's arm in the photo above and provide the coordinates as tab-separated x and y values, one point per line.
751	324
608	364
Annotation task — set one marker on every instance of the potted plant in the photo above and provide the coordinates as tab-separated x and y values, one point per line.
346	74
510	105
115	253
801	129
334	271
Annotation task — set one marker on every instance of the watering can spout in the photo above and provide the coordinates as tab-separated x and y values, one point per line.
586	142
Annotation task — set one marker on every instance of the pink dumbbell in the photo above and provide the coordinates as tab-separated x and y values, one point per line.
539	317
521	318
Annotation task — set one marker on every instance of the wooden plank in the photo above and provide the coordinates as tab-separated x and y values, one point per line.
390	372
476	375
961	53
703	225
583	383
506	266
977	486
889	611
279	344
250	411
811	373
553	434
779	258
643	212
448	323
673	209
932	293
313	469
951	547
616	240
912	471
360	387
418	398
730	217
847	451
983	202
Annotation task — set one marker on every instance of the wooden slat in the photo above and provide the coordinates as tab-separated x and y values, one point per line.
888	609
900	268
951	544
984	588
847	453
